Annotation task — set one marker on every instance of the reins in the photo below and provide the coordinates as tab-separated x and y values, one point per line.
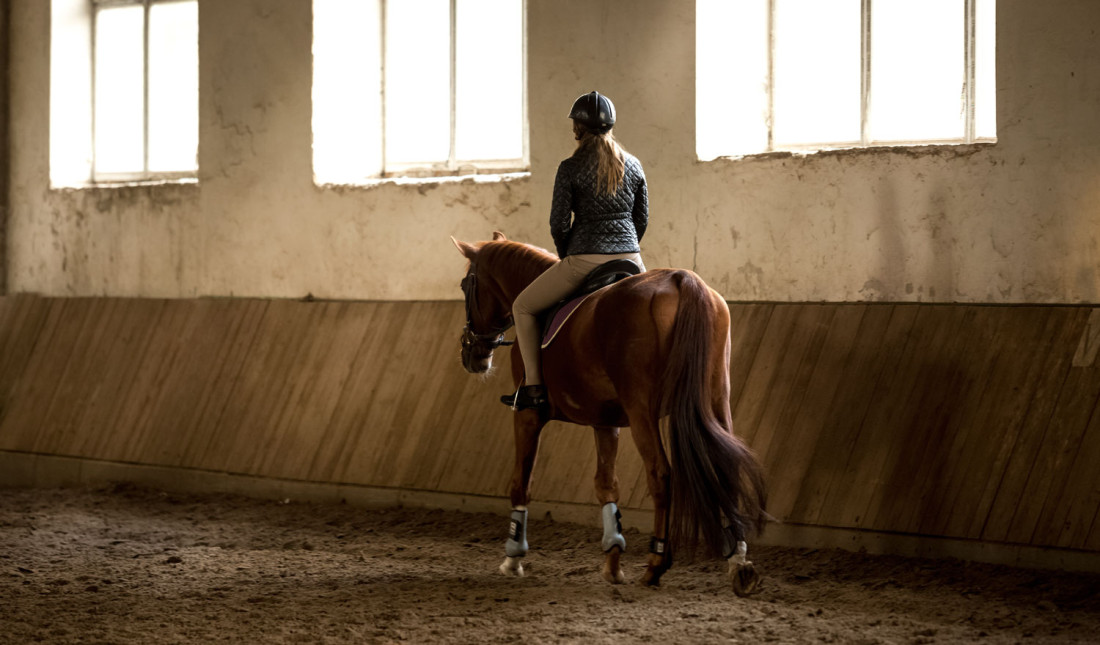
490	339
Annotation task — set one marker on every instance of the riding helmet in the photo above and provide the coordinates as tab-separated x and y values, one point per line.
595	111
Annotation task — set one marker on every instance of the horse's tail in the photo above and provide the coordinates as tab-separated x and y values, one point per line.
714	474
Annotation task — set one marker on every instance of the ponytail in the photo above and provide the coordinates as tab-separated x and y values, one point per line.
610	164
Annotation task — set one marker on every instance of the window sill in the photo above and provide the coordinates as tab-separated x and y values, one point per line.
109	185
915	150
494	178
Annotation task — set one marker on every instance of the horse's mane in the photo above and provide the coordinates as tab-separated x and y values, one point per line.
521	263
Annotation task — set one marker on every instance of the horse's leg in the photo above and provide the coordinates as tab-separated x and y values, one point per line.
528	425
742	574
607	491
647	438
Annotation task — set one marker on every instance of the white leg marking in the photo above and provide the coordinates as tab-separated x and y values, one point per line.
512	567
739	558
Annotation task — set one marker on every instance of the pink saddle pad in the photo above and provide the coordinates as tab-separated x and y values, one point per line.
560	317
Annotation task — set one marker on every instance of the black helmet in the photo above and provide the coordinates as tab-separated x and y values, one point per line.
595	111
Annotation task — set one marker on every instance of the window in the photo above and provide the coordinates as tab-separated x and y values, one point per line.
804	75
417	87
123	90
146	75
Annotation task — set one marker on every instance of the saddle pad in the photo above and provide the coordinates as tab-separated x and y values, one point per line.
560	316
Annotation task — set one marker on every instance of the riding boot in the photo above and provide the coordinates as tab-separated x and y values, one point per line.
526	398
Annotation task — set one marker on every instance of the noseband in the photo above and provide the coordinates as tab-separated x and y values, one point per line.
489	340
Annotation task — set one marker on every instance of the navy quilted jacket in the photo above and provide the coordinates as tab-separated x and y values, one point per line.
585	219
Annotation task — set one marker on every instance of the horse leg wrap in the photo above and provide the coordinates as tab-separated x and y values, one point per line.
658	546
733	541
612	528
516	546
740	556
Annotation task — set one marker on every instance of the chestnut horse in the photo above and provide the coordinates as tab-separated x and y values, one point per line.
653	345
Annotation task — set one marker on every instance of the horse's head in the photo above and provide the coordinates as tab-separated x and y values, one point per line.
488	316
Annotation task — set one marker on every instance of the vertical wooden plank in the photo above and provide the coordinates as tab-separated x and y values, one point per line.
923	417
1092	540
1048	378
301	415
804	382
478	428
845	500
355	321
795	365
350	421
936	451
977	458
365	455
467	407
748	324
24	428
791	462
22	319
84	375
764	372
893	418
121	350
211	430
417	454
1061	440
1070	518
141	429
266	386
1068	446
880	333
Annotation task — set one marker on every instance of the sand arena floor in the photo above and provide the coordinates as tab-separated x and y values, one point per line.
123	564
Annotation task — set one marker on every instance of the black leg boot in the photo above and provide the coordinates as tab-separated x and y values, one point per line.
527	397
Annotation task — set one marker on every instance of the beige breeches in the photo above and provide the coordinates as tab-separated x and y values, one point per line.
555	283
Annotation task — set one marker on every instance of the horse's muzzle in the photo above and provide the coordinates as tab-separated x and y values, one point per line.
477	350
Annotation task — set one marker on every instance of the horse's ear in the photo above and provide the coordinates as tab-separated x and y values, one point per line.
498	236
469	250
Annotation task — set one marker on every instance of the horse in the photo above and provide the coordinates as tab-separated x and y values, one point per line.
650	346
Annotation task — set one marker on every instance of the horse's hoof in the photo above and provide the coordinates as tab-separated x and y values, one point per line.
745	579
651	578
512	567
612	571
616	578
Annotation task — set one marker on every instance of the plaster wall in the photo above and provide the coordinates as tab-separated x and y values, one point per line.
1018	221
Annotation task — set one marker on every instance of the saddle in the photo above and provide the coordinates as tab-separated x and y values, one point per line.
608	273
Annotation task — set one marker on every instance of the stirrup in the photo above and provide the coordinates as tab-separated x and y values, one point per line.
526	398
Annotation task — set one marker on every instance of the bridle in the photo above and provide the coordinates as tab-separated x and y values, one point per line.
489	340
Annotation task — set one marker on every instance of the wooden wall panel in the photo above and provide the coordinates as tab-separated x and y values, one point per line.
971	422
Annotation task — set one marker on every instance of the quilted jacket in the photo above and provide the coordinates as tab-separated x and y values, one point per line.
585	219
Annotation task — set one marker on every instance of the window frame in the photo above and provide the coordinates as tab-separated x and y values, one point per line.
144	175
452	166
969	94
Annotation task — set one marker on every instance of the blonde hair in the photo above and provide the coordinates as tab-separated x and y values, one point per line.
610	164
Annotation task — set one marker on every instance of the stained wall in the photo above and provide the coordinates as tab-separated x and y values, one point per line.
1016	222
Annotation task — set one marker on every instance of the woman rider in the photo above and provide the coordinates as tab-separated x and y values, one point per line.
599	213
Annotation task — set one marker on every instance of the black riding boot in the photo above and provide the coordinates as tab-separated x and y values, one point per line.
526	398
